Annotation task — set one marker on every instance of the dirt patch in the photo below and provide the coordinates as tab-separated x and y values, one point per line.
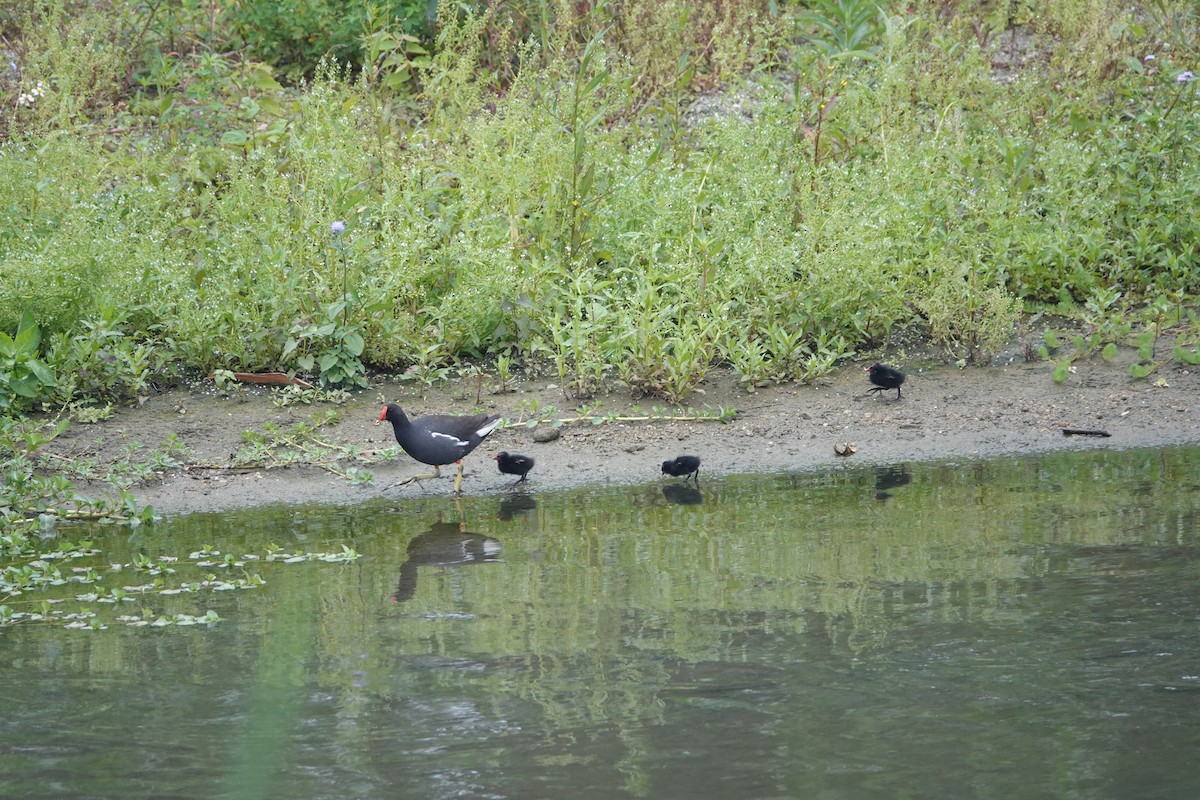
946	412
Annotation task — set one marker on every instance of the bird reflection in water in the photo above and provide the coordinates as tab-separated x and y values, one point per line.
445	544
890	477
514	504
682	494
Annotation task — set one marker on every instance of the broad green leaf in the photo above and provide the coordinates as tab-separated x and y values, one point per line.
28	335
26	322
42	372
26	387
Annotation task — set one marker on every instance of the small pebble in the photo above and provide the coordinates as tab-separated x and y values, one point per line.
546	433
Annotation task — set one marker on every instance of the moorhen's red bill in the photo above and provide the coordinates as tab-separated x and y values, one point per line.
514	464
884	378
439	439
687	466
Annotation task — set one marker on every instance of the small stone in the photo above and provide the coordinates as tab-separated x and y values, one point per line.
543	434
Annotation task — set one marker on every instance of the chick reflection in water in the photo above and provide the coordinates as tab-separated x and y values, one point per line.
445	544
682	494
515	504
892	477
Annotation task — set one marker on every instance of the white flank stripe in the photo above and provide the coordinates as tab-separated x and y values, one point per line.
486	429
454	439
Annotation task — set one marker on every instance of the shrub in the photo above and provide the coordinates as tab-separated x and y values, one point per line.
973	322
101	362
24	378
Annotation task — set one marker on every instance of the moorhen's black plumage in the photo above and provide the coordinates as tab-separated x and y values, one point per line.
514	464
687	466
439	439
884	378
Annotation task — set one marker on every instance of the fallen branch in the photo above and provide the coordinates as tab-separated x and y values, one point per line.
1085	432
269	378
247	467
722	414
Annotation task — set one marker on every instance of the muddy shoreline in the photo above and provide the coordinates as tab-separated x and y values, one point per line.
946	412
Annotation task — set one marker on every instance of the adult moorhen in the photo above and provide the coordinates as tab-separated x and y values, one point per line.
439	439
688	466
884	378
514	464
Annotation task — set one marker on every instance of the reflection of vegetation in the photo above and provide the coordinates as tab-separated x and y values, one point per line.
610	610
819	543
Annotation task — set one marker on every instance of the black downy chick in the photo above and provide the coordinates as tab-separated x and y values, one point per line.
514	464
687	466
885	378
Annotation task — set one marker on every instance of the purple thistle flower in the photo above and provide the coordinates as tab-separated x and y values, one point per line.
338	227
1184	76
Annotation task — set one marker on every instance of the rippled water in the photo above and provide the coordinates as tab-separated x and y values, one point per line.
1009	629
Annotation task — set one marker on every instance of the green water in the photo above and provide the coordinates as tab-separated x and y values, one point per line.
1010	629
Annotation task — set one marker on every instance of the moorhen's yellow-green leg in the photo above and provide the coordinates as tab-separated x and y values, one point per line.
458	478
437	473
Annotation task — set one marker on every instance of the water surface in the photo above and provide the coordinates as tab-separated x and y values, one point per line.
1011	629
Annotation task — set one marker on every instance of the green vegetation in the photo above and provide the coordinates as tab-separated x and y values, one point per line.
633	194
624	192
39	492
